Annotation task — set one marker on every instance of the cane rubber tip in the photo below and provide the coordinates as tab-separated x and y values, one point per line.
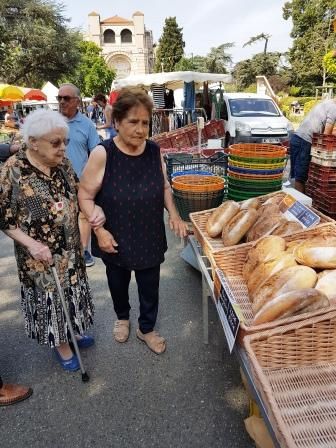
85	377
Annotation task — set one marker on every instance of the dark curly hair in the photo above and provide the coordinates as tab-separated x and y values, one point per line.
128	98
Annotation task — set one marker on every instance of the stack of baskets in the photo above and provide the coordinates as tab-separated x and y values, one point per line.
196	192
321	185
255	169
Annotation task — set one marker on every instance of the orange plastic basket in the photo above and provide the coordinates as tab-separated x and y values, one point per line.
257	150
198	184
235	175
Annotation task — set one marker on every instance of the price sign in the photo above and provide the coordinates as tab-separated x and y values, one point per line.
296	211
228	311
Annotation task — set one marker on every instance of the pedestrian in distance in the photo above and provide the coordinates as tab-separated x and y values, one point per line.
83	138
39	211
321	119
126	176
100	99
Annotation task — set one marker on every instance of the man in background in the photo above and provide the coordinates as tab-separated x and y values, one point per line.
83	139
108	125
321	119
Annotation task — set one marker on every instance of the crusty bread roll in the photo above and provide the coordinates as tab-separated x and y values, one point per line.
292	245
250	203
288	279
275	199
268	220
287	228
290	303
319	252
221	216
236	228
326	283
264	250
265	270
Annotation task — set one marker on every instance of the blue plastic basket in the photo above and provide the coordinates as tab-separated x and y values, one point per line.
200	173
259	172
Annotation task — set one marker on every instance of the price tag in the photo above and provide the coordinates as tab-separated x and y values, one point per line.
295	211
228	311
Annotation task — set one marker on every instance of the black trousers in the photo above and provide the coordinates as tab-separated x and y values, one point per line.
148	281
1	383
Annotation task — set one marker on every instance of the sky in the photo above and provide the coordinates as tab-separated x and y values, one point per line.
205	23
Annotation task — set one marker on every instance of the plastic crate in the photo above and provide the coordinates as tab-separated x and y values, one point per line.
214	129
324	142
180	139
316	152
324	162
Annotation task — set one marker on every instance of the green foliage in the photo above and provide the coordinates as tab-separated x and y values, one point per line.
294	91
329	61
309	105
261	36
171	47
251	88
218	59
36	43
195	63
313	37
91	75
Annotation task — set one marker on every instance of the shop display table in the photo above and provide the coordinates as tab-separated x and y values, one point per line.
197	259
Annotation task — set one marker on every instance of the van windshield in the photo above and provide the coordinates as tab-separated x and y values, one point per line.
253	107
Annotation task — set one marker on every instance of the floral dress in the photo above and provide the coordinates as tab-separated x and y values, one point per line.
46	209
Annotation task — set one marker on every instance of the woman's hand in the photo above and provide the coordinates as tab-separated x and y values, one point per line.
97	219
178	226
106	241
40	251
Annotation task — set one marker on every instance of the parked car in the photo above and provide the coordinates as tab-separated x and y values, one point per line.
254	118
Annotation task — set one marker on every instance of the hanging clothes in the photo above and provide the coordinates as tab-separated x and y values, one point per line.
158	92
169	99
189	95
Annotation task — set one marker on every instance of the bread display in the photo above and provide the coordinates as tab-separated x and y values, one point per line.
287	228
291	303
288	279
250	203
237	227
319	252
326	283
268	221
220	217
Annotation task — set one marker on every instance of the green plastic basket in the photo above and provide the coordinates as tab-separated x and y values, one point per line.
188	202
267	160
254	183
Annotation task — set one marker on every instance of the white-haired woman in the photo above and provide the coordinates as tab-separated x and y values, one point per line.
39	211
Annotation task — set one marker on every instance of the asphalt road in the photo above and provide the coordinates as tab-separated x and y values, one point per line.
189	397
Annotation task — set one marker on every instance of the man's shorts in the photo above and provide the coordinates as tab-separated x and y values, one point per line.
300	158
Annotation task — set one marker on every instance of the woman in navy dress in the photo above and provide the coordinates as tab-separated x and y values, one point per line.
126	176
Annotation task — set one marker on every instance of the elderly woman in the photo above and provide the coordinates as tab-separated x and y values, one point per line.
126	176
39	211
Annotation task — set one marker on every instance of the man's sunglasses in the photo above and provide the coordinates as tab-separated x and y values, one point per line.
57	143
66	98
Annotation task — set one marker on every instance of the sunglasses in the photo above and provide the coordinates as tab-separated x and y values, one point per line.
58	142
66	98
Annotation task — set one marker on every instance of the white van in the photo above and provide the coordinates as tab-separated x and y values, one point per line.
254	118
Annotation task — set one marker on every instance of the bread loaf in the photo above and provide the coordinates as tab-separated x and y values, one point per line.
264	250
250	203
266	269
287	228
290	303
221	216
318	252
288	279
268	220
326	283
236	228
275	199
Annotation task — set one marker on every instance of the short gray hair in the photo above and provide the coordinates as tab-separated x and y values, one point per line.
75	88
41	122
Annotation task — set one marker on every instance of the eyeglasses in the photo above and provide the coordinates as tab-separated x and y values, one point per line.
66	98
57	143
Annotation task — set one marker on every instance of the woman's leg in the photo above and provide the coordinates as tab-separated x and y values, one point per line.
148	281
118	279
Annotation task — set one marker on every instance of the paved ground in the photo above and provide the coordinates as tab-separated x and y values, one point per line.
189	397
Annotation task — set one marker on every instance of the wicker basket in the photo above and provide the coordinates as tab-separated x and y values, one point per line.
188	202
212	245
294	369
231	261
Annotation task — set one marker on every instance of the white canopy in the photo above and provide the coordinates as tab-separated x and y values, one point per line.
171	80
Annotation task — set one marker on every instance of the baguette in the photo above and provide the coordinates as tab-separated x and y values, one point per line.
288	279
318	252
250	203
268	220
220	217
287	228
290	303
236	228
326	283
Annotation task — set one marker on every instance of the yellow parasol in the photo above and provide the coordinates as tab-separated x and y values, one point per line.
10	93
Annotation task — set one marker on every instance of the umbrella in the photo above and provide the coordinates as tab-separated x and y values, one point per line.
10	93
33	94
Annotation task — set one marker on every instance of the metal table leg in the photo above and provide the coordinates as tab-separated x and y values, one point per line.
205	311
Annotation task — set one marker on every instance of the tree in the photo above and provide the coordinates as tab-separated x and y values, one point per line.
218	59
261	36
313	37
91	74
195	63
171	46
36	44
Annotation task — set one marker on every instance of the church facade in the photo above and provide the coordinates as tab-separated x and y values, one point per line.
126	44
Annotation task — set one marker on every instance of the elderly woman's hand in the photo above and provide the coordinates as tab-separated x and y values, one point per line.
40	251
97	219
106	241
178	226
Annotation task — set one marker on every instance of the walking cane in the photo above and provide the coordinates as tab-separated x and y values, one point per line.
85	376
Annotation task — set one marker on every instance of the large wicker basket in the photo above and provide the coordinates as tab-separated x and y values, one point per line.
213	245
294	369
231	261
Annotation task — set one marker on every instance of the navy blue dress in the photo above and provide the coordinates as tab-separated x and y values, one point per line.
132	197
